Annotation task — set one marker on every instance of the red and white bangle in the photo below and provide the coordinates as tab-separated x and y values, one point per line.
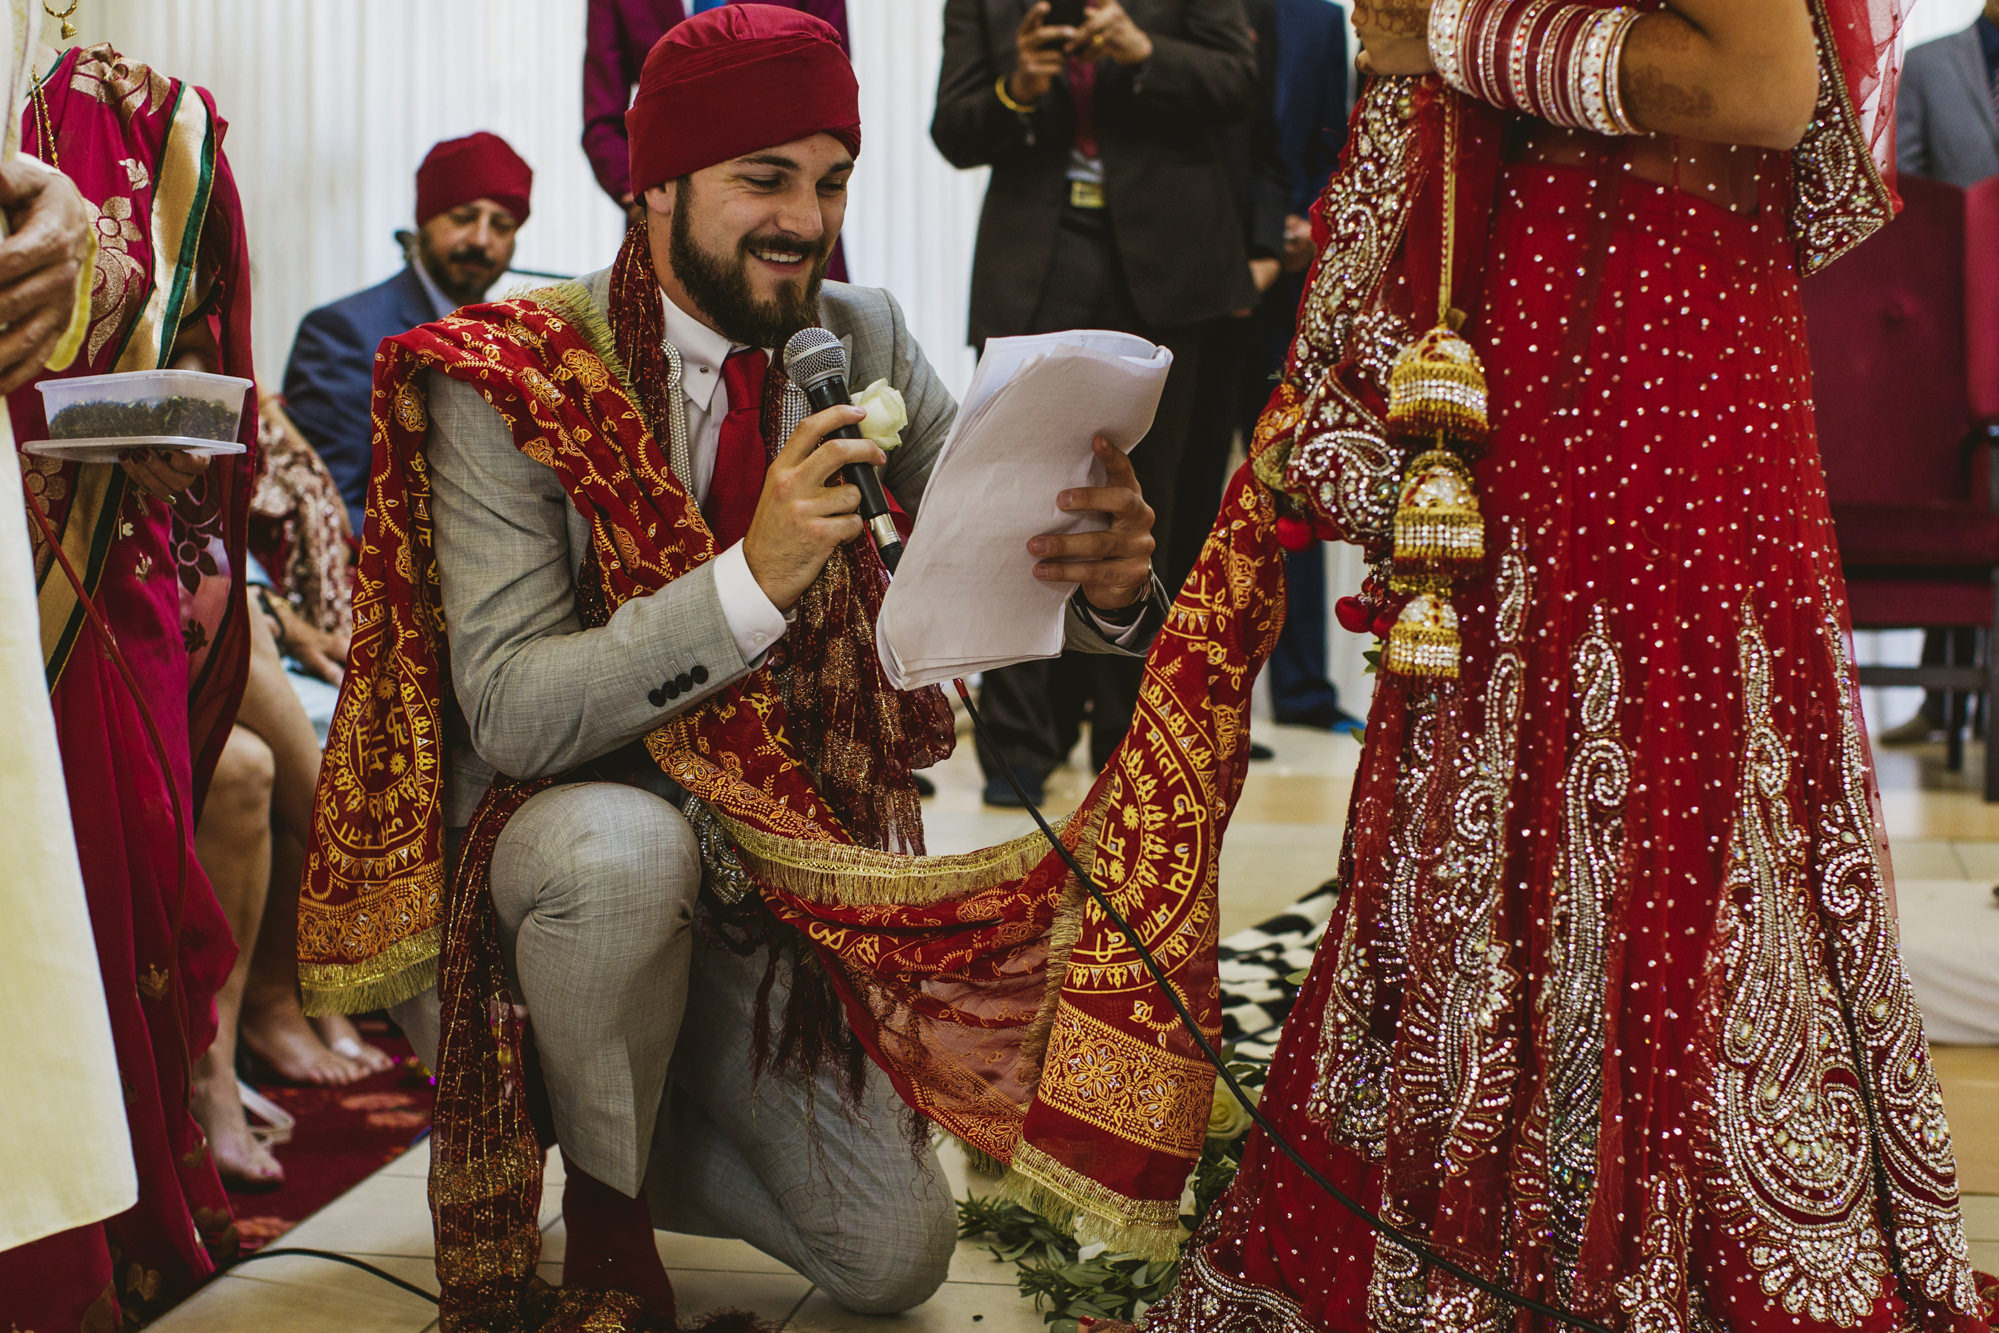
1558	61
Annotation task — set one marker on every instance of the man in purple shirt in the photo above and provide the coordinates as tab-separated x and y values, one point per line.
620	33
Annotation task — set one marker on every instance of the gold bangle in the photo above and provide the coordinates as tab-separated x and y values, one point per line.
999	86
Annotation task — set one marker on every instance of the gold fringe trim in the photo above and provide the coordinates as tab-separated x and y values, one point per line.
404	969
1094	1214
842	874
1063	933
572	301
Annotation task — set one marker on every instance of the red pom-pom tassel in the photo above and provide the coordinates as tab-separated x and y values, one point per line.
1353	614
1293	534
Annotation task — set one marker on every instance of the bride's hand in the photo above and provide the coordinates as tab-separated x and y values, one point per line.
1394	36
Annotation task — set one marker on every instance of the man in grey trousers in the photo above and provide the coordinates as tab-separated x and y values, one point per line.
642	1022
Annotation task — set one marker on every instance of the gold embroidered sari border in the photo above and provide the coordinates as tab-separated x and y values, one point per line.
845	874
399	972
1147	1228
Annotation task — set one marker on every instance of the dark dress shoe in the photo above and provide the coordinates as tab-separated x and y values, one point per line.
1258	750
924	786
1000	792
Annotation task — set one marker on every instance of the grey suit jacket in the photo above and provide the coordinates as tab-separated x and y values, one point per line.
541	694
1946	127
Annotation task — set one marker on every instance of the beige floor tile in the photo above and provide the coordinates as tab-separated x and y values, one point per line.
1970	1078
1318	801
770	1296
415	1162
1980	859
1981	1216
1925	858
384	1214
695	1253
961	1307
1268	867
1985	1256
973	1262
302	1295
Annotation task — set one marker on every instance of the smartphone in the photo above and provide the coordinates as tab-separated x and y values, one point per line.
1064	14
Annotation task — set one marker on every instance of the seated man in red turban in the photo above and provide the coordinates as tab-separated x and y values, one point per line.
699	1072
471	199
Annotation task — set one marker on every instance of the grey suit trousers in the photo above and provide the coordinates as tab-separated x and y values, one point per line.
643	1026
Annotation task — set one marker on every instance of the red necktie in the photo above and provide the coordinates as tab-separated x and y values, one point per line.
1083	95
740	457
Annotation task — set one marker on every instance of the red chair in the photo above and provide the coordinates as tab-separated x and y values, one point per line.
1904	338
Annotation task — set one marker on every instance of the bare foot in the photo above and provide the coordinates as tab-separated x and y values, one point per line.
342	1038
241	1161
276	1031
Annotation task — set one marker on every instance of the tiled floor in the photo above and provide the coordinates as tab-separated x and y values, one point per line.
1282	842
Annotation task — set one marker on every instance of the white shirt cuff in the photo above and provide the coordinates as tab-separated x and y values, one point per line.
1124	636
754	622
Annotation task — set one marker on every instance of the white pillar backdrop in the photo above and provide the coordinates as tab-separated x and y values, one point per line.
332	103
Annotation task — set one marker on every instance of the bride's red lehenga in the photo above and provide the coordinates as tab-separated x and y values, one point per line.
1612	1007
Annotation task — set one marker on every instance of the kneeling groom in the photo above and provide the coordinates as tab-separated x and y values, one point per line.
644	1021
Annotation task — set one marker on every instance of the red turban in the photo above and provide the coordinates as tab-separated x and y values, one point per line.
733	80
478	166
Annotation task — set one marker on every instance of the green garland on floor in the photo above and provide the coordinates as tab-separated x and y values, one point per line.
1067	1287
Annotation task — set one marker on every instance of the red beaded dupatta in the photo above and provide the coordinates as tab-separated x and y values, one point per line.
999	1001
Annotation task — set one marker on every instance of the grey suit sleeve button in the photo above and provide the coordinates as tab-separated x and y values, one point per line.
699	675
683	682
657	698
670	689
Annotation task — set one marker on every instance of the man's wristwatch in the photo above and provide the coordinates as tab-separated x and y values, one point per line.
1123	616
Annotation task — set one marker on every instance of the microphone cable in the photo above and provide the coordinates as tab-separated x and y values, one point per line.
1406	1240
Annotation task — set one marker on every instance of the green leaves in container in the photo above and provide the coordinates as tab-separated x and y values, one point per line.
180	414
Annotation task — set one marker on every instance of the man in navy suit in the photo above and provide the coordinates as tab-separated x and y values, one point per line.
471	198
1311	97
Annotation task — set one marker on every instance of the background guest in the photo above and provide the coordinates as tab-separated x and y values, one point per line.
142	713
1947	128
1947	110
471	198
1310	97
1261	183
1110	207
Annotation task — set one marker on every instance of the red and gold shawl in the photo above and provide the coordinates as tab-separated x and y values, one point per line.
999	1000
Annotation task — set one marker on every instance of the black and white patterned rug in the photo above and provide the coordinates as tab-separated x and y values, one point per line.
1255	963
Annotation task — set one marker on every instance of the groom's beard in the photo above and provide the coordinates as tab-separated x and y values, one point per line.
720	284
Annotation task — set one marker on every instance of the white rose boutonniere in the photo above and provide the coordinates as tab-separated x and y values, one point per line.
886	413
1227	1120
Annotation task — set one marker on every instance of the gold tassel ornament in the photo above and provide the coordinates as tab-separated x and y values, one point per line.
1437	389
1438	529
1436	393
1424	641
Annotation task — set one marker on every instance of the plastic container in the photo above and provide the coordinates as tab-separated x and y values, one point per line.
100	417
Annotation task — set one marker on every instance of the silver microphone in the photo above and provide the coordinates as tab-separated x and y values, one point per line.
817	363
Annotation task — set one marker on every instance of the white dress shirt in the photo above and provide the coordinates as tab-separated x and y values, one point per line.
754	621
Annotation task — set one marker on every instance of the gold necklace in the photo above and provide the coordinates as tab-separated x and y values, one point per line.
68	28
44	133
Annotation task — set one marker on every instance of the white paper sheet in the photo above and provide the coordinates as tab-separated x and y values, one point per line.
965	597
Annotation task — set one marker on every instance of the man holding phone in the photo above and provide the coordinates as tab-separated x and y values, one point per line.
1110	207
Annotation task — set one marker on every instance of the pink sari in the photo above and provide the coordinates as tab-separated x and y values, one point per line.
145	151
